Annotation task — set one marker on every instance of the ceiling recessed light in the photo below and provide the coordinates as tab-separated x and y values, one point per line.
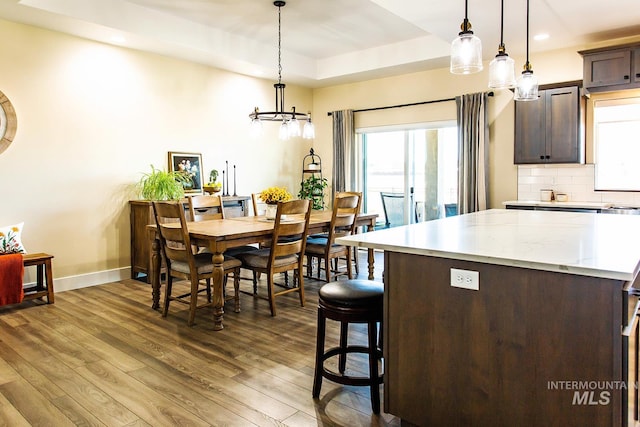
542	36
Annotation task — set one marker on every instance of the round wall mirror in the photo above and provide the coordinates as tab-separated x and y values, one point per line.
8	122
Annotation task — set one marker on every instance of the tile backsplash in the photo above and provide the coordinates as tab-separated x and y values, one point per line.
575	180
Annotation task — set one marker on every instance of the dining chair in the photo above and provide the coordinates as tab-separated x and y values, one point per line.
259	206
185	263
202	208
209	207
346	207
393	206
286	250
259	209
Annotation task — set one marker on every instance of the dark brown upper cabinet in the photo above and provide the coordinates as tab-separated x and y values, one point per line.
549	130
611	68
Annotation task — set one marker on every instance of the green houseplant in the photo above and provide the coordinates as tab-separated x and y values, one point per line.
162	185
312	188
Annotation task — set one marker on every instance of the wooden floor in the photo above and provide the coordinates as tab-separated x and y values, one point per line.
101	356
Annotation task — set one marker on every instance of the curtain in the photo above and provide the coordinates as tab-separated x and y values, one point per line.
473	152
345	167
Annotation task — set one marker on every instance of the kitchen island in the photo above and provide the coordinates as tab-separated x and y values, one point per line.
534	326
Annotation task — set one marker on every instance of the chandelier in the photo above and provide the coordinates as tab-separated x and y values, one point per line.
290	125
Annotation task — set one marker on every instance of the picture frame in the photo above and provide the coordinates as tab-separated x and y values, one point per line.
191	164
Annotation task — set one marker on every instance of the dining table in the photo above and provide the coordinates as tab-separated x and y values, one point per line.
221	234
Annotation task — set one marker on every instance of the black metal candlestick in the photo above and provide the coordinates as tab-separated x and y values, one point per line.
234	180
223	183
226	189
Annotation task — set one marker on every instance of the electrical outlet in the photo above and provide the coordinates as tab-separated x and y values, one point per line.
466	279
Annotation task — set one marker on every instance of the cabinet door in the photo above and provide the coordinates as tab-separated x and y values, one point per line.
530	131
562	115
607	68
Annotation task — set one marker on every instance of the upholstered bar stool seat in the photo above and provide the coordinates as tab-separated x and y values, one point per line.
350	301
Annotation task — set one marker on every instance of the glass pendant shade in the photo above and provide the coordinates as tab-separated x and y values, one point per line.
527	87
466	54
255	128
501	72
309	130
293	128
284	131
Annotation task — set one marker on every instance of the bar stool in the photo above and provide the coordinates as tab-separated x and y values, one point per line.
350	301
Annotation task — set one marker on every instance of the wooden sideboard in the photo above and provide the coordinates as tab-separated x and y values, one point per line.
142	215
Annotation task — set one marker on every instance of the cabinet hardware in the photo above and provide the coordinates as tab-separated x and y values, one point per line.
628	329
626	77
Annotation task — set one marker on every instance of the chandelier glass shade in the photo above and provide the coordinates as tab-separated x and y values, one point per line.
527	86
466	49
501	68
289	120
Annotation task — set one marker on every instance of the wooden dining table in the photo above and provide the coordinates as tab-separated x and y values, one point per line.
221	234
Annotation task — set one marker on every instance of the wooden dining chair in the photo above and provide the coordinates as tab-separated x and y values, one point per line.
258	205
202	208
207	207
183	262
346	207
286	251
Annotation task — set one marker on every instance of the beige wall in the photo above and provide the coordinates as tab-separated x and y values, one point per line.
93	117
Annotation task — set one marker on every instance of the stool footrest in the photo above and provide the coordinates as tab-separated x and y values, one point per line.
335	351
347	379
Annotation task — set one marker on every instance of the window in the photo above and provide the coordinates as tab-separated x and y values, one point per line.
617	144
421	163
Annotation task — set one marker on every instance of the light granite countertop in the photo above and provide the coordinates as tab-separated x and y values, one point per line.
586	244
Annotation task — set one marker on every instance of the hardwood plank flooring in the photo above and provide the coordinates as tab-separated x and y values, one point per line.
100	356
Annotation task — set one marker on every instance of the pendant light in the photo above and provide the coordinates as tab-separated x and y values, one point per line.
527	87
289	123
501	69
308	131
466	49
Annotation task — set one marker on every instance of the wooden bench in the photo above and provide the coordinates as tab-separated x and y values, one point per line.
42	262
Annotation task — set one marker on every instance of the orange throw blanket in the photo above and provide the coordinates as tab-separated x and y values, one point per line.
11	273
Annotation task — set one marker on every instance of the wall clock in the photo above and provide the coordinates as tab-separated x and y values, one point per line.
8	122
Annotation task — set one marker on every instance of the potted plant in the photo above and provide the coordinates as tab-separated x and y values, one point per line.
271	196
162	185
213	186
313	188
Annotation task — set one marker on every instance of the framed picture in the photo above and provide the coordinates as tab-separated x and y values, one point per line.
191	165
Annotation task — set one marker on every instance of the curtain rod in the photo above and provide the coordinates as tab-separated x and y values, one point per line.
404	105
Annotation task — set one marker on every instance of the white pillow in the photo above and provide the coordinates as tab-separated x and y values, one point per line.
10	242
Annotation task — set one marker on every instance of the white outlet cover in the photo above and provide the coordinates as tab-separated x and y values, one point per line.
465	279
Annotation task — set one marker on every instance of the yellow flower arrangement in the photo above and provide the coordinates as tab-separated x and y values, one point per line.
273	195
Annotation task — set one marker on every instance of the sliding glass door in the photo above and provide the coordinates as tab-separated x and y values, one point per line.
418	167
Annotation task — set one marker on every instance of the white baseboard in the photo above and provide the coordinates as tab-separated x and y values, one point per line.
61	284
